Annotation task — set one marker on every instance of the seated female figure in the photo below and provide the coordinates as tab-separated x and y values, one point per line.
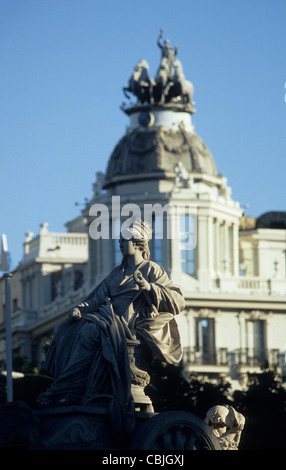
88	355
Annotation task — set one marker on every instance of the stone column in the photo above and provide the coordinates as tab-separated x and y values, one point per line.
176	268
235	251
203	252
218	258
210	245
226	248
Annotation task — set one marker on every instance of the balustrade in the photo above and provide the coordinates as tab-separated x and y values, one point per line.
242	357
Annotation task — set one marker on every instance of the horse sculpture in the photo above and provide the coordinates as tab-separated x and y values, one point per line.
140	84
170	84
186	87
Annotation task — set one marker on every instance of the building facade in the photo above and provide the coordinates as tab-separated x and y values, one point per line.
231	268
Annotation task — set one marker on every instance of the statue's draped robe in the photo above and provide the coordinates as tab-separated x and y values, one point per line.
88	358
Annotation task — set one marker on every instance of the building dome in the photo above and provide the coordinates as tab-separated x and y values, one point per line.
272	219
160	134
153	151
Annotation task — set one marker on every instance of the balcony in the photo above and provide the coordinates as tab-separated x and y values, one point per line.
51	246
221	360
248	358
206	361
250	285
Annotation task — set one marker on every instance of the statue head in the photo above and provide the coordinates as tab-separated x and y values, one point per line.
139	230
140	233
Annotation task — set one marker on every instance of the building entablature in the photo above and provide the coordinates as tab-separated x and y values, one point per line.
55	247
235	303
264	235
28	320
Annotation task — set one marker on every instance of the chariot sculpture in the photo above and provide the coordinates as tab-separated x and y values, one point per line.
169	85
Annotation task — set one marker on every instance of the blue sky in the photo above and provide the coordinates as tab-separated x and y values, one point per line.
63	66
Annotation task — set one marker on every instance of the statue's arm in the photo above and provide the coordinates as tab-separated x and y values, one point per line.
91	303
163	293
167	298
159	38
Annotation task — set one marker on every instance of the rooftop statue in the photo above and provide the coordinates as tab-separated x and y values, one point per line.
168	55
88	356
169	85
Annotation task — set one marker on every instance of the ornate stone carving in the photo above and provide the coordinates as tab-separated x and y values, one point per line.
175	430
227	424
183	178
162	150
169	85
140	84
92	428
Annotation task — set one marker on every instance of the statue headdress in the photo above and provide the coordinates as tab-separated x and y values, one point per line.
140	230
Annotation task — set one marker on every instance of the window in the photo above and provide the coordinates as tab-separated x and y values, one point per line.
78	279
117	255
242	269
187	232
156	244
56	284
256	341
205	340
14	305
117	252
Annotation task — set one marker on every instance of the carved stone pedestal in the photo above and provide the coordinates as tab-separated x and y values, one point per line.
139	361
92	428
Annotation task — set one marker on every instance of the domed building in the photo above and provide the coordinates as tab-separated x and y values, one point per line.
162	162
231	268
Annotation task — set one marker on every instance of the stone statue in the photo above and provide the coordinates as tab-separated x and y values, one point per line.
227	424
169	84
140	84
168	55
183	178
137	301
165	75
185	87
98	185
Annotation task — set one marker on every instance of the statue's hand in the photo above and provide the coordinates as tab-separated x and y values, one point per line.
75	314
154	314
141	281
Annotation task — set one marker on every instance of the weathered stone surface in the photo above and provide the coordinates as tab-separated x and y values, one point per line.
227	424
155	150
169	85
175	430
96	428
